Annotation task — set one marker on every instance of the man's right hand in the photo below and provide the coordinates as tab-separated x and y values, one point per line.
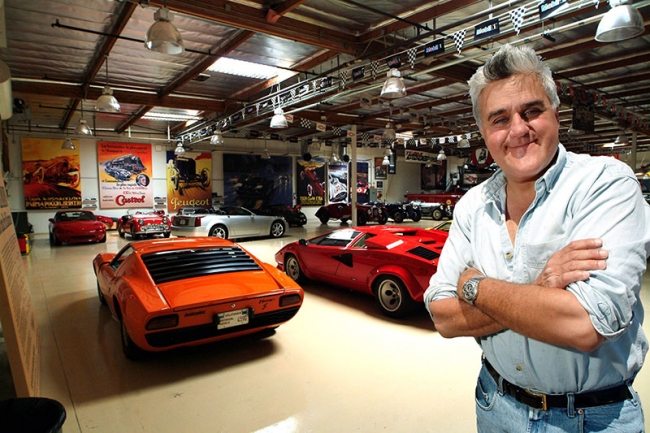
573	263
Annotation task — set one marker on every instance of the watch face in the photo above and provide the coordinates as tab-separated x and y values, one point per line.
470	290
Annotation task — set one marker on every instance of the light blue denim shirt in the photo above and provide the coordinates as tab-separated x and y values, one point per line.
578	197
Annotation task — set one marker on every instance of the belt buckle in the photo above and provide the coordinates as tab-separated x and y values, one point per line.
539	395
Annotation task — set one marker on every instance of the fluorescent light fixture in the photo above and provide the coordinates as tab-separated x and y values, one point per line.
241	68
163	36
179	116
620	23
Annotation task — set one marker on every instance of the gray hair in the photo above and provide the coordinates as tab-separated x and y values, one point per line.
508	61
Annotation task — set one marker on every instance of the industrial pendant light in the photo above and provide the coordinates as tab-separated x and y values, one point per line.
621	22
441	155
278	120
394	85
217	138
68	144
180	150
82	127
163	36
107	101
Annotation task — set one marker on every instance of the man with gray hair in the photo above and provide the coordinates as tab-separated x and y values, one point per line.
543	266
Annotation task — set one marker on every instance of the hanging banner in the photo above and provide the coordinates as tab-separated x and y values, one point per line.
486	29
125	172
189	180
547	8
418	156
51	175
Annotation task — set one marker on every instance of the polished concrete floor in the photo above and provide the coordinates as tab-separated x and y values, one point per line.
338	366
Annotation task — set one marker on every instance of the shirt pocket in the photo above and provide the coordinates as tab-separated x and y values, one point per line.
538	254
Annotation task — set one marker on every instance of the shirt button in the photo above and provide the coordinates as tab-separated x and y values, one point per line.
508	255
519	368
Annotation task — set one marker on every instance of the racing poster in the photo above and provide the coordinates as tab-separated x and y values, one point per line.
125	172
363	195
311	184
189	180
51	175
254	183
337	183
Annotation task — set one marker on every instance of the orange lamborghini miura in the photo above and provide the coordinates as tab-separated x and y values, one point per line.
169	293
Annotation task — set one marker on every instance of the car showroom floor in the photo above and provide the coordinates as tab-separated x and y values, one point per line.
339	365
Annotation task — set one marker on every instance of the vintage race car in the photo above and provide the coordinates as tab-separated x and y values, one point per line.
228	222
292	214
392	263
398	212
365	213
169	293
76	226
142	225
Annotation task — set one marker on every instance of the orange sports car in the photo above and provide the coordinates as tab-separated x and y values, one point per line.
168	293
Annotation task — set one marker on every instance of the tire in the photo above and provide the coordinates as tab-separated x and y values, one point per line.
205	177
219	231
103	239
54	240
133	233
100	295
292	268
324	217
398	216
436	214
277	229
382	218
303	219
167	234
120	231
417	216
362	218
392	297
130	349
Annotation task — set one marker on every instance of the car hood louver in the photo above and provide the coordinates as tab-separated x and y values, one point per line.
179	265
425	253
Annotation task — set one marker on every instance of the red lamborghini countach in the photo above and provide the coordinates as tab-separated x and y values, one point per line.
392	263
169	293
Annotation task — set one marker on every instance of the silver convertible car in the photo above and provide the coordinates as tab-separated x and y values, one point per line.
226	222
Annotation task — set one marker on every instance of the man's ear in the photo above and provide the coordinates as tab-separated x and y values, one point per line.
557	115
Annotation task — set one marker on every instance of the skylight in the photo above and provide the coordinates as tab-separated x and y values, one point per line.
242	68
172	115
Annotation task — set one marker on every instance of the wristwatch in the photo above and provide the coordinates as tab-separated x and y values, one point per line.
470	289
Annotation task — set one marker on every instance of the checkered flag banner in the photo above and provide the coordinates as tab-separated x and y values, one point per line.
459	39
305	123
343	75
411	56
517	17
337	131
374	69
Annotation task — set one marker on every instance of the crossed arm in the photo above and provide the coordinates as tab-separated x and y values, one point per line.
543	310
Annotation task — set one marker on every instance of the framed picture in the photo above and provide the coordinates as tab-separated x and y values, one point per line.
380	170
380	184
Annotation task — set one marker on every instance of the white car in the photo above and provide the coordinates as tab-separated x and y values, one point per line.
227	222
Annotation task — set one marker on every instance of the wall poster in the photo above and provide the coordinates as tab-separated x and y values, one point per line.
311	187
338	183
125	171
189	180
363	195
253	182
51	175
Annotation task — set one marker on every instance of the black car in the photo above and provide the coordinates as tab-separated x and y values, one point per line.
398	212
292	214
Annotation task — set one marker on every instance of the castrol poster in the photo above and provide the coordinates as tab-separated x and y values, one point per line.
125	175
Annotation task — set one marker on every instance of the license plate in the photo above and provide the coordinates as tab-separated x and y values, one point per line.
232	318
182	222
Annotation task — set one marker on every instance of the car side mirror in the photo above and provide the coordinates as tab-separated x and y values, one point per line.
302	242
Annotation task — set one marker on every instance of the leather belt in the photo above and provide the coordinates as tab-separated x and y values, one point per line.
544	401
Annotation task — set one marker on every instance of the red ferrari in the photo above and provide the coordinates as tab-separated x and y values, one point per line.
76	226
394	264
169	293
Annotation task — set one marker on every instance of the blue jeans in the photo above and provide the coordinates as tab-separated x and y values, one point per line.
498	412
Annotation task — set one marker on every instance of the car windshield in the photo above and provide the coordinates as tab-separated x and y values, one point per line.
75	216
338	238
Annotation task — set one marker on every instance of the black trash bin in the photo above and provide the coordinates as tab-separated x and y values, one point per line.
31	415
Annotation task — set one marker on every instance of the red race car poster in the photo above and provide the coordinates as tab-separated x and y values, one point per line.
125	174
51	175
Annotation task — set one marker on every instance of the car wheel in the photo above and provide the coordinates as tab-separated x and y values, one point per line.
54	240
103	239
292	268
392	297
398	216
130	349
120	231
382	218
436	214
100	295
134	235
277	229
362	218
167	234
324	217
219	231
417	216
205	177
302	219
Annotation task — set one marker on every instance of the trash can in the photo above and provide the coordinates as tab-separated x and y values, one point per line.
31	415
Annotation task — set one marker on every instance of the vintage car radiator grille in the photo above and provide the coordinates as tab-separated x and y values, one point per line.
425	253
179	265
202	332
